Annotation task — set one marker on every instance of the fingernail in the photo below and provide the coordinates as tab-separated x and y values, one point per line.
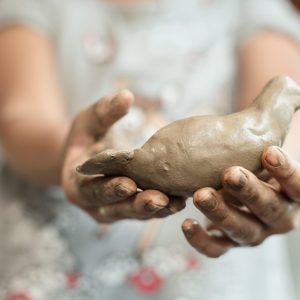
122	192
151	208
275	157
189	230
208	202
235	180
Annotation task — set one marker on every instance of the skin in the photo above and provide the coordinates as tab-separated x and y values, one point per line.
23	50
274	206
192	153
34	125
267	216
108	199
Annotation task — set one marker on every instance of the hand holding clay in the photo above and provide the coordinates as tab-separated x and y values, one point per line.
268	208
107	199
193	153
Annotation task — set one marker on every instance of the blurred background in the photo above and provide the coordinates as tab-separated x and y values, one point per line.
179	58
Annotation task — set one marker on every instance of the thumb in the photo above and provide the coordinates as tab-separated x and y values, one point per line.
98	118
94	122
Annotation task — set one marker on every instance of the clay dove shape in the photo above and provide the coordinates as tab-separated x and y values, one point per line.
193	153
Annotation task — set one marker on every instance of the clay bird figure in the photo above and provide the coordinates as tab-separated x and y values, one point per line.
192	153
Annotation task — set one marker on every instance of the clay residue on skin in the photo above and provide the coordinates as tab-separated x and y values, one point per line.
193	153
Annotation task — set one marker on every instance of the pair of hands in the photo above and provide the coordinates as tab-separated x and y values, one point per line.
243	213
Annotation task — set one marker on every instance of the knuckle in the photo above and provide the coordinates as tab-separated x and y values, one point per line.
243	235
271	212
220	216
256	241
91	193
210	250
258	236
96	194
288	171
250	195
217	213
252	239
203	248
291	224
121	191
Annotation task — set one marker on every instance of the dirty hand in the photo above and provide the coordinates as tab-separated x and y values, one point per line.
247	210
107	199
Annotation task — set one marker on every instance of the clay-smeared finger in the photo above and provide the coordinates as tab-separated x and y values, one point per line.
177	204
284	169
105	190
95	121
238	225
267	204
144	205
103	114
150	202
211	245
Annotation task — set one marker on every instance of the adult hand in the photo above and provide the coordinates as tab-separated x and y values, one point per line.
247	210
107	199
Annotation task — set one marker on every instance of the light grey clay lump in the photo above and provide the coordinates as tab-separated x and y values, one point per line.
193	153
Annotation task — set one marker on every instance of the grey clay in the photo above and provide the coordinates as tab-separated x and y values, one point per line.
193	153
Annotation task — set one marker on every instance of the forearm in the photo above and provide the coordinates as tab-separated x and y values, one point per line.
33	122
33	143
263	57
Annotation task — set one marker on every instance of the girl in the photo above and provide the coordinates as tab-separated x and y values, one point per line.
178	58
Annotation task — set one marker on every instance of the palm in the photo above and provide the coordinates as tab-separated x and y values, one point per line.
107	199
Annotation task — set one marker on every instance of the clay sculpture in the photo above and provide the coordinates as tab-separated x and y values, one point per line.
193	153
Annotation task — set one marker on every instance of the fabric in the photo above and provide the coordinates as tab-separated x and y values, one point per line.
179	55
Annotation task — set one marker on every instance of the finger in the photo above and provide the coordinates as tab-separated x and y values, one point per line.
105	190
264	175
213	244
145	205
176	204
262	200
231	200
103	114
95	121
238	225
155	202
150	202
284	169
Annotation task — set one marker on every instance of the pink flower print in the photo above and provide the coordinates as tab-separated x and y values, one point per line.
192	263
19	296
73	279
146	280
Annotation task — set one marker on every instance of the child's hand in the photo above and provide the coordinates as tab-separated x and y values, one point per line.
248	210
107	199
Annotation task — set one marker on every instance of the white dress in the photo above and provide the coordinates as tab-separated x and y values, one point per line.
180	57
